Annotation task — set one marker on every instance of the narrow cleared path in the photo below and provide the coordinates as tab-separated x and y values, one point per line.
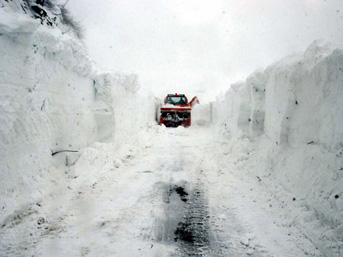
175	196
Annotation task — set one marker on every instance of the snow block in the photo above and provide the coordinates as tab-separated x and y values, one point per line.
295	113
51	100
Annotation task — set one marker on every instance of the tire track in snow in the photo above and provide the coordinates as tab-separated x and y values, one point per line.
192	232
193	226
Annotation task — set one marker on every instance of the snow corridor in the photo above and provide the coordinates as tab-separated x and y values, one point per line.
175	195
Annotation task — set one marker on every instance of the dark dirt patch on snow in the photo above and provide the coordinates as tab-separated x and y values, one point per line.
192	233
182	193
186	222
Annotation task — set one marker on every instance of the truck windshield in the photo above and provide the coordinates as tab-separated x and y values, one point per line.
176	100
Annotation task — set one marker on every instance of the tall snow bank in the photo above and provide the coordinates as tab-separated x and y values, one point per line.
302	94
120	110
304	98
51	100
293	114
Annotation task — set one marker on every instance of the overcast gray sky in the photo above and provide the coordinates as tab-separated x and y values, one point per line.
199	47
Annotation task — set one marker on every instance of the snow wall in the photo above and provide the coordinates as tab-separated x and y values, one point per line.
53	100
292	112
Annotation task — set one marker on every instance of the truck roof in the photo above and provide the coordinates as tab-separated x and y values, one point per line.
176	94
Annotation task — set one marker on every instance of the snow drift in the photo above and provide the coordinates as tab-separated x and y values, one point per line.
292	115
52	100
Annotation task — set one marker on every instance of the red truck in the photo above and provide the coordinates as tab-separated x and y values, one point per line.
176	110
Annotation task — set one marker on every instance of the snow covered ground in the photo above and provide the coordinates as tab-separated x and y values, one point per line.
177	192
85	170
52	99
289	119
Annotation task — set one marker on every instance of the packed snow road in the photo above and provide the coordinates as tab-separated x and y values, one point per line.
172	195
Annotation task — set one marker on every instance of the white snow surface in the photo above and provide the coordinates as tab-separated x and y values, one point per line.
265	179
126	204
289	118
52	99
